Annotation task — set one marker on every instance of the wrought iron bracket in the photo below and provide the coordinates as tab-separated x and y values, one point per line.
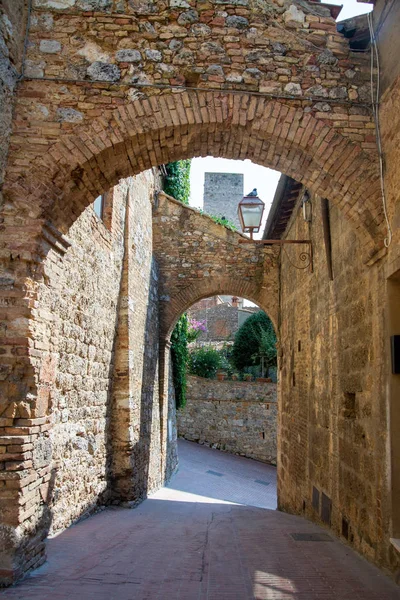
305	257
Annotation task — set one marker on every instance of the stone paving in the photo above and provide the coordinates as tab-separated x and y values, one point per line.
211	535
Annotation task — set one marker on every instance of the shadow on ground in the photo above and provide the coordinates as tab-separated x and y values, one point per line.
182	544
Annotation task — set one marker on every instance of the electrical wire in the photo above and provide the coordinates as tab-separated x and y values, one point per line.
375	109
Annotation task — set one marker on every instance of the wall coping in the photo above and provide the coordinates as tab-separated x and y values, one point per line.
218	386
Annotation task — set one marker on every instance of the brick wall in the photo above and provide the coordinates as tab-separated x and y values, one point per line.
237	417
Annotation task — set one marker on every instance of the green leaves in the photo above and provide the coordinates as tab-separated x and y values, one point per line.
204	362
255	339
177	181
179	356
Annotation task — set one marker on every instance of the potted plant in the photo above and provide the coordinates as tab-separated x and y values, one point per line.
221	375
247	377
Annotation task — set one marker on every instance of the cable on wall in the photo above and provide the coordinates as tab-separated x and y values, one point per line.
375	109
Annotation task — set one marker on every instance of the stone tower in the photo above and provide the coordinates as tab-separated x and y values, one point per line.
222	194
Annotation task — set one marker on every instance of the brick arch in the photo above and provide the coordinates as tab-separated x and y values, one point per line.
217	286
87	160
201	258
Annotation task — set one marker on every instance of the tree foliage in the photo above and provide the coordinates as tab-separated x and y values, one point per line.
177	180
255	339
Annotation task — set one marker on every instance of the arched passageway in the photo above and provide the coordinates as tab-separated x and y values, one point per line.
65	150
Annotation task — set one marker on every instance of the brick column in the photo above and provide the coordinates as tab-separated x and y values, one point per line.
27	374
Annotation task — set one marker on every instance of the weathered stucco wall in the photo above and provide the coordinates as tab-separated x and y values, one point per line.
234	416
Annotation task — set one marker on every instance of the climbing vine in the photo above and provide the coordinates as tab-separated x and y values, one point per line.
177	180
179	356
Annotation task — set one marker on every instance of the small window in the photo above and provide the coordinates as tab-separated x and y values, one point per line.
98	206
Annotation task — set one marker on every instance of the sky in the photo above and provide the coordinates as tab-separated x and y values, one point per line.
255	176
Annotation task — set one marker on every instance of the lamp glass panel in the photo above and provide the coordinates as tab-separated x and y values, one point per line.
252	215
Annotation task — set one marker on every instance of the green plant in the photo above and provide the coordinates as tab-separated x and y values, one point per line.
253	340
177	180
179	357
204	362
221	221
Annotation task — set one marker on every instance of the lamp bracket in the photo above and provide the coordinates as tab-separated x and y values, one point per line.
306	257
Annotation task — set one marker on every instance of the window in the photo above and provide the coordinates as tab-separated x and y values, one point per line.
98	206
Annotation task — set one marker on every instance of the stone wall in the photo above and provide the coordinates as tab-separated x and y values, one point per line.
222	194
103	70
199	258
334	447
91	415
12	33
82	301
79	300
339	415
221	322
234	416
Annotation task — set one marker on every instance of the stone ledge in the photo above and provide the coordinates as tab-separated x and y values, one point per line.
396	543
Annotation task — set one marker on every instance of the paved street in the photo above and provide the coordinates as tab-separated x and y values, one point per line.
211	535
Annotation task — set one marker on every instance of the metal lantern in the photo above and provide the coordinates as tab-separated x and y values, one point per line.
250	212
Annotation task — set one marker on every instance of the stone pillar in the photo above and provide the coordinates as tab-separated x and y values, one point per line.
164	374
122	404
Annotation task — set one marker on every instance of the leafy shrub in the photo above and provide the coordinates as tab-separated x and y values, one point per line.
204	362
177	180
179	358
253	340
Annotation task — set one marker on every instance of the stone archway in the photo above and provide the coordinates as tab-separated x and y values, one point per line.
87	159
280	105
200	259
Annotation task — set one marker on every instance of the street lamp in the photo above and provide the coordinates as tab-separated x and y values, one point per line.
250	212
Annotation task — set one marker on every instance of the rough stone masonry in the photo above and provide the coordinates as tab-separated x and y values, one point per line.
234	416
106	90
